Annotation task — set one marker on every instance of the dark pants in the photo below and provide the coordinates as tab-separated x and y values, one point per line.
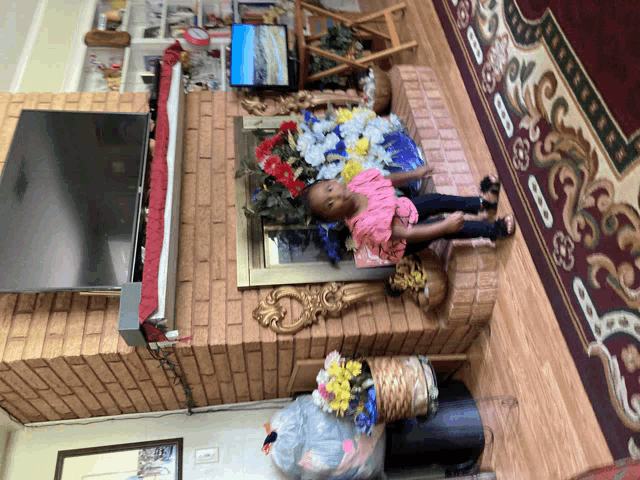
435	204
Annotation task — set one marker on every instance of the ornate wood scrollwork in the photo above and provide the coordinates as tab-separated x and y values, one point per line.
330	299
269	104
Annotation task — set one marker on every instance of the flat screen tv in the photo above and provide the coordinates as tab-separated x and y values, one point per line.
259	56
70	193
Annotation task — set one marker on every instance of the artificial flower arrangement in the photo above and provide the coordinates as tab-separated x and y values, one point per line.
345	387
337	147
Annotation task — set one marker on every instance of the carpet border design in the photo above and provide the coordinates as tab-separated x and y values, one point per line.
624	152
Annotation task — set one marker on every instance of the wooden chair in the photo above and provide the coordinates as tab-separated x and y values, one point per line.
307	43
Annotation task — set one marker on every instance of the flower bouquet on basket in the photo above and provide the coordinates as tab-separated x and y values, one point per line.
377	390
337	147
346	388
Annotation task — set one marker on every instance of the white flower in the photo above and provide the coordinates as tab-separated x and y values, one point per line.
304	127
381	124
378	153
318	399
396	124
305	141
330	142
374	135
332	357
370	163
322	127
315	156
351	140
331	171
323	377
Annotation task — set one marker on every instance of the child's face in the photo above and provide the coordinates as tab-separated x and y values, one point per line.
331	200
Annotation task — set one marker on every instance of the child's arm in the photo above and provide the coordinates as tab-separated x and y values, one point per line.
419	233
402	178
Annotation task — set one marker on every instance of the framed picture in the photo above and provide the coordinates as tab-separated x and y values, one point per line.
155	460
150	62
251	11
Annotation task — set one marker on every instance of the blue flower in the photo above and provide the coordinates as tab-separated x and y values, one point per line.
339	149
308	117
371	394
337	130
363	424
370	404
354	401
330	241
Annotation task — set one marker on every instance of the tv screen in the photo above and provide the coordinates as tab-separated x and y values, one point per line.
259	56
69	194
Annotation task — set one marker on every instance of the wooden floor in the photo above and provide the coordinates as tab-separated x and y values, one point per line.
552	432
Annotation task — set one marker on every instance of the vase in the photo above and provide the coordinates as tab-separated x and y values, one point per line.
406	387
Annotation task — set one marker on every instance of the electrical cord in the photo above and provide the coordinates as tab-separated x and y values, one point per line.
233	408
178	378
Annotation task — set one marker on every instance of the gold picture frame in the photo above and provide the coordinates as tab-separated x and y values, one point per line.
152	460
253	270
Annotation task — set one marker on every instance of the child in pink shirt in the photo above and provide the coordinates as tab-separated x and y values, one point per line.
394	227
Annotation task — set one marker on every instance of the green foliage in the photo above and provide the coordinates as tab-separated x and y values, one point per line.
337	40
270	199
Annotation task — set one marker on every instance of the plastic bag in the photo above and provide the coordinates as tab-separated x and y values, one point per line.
315	445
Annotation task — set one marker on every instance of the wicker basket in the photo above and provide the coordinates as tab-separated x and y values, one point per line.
383	89
430	292
405	386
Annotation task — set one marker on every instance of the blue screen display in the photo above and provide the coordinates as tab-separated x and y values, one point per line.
259	55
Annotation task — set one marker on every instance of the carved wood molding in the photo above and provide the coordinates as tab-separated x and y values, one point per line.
273	104
330	299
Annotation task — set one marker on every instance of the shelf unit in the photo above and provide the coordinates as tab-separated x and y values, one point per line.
138	16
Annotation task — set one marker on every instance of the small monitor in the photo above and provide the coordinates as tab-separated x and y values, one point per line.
259	56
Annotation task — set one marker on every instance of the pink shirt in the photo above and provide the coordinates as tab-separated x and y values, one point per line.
373	227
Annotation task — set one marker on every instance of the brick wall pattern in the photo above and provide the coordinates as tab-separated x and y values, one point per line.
62	358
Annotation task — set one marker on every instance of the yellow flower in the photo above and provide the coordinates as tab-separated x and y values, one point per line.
360	409
344	395
354	367
362	147
335	369
343	115
339	405
333	386
345	386
350	170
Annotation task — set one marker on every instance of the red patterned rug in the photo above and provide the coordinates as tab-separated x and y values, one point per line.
566	143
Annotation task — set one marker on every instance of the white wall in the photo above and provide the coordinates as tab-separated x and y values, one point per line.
13	32
47	65
238	434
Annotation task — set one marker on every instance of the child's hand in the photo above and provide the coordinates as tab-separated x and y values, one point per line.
454	222
423	171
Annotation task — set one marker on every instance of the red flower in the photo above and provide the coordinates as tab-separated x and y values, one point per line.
265	147
295	187
284	173
271	164
288	127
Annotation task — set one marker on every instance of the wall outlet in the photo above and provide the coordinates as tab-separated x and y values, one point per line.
207	455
